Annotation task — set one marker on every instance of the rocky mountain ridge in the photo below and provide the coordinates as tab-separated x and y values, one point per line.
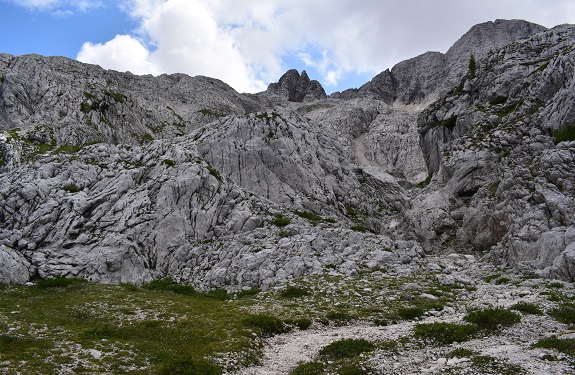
121	178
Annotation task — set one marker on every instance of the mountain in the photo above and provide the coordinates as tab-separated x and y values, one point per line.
114	177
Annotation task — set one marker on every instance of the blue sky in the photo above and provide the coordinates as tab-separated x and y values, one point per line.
250	43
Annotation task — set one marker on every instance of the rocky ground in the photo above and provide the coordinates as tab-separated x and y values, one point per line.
508	351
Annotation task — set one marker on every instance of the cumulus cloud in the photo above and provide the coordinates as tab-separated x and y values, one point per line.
248	43
123	53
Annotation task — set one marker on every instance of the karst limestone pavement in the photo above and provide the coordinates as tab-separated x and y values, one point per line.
121	178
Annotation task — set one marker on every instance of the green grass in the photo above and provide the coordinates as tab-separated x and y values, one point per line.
442	333
492	319
249	292
58	282
151	330
346	348
294	292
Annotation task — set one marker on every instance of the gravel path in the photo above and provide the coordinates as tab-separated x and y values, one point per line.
511	346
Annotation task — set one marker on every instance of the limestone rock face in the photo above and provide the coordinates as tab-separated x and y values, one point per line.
297	88
507	186
121	178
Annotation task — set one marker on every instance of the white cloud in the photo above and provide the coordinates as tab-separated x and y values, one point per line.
57	6
123	53
247	43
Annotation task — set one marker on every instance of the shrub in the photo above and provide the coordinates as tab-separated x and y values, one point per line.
286	233
358	228
491	365
555	285
502	280
350	370
269	325
308	368
301	323
490	319
498	100
346	348
566	346
472	66
565	313
408	313
339	317
281	221
71	188
445	333
566	133
527	308
294	292
308	215
169	162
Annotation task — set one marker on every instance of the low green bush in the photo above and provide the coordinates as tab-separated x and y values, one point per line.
409	313
566	346
492	318
351	370
566	133
301	323
445	333
339	317
492	365
527	308
564	313
498	100
269	325
169	163
346	348
71	188
281	221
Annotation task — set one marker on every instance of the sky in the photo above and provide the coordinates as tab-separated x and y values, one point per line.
251	43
